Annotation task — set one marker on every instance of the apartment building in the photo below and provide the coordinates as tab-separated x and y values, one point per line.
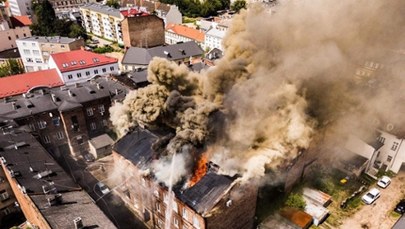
102	21
80	65
7	199
46	194
211	202
180	33
9	37
35	51
213	38
65	118
63	5
20	7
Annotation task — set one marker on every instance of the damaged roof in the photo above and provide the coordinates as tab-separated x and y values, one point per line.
207	192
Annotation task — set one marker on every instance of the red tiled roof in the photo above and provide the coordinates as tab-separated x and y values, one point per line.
133	12
80	59
185	31
19	21
19	84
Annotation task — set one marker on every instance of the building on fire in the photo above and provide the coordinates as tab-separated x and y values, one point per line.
214	201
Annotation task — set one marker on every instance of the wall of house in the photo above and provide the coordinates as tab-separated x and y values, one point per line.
143	31
28	207
20	7
389	151
97	116
173	38
6	203
49	48
174	16
236	210
8	37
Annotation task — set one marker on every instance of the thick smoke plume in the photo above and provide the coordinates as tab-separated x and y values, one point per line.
287	77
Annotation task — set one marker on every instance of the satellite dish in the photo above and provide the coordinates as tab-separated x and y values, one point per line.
390	126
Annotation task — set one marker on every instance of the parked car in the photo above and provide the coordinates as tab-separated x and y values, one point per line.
371	196
103	188
384	182
400	208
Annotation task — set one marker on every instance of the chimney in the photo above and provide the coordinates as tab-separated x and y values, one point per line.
14	105
70	93
98	86
78	223
53	98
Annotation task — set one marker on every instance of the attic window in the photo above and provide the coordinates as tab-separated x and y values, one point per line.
82	62
95	60
182	51
65	65
73	62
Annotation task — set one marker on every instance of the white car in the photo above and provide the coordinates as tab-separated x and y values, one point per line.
103	188
384	182
371	196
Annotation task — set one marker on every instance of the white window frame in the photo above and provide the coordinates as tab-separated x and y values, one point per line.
89	111
101	108
41	124
46	138
60	135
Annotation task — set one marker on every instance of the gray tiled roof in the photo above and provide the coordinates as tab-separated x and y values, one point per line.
103	9
142	56
55	39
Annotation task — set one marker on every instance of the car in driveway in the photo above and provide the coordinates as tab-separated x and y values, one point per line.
400	208
103	188
371	196
384	182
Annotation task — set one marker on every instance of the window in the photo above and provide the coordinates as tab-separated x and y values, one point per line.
70	76
32	126
4	195
381	139
30	60
62	46
158	207
35	52
24	44
6	211
25	35
59	135
176	222
79	75
105	122
175	208
27	52
104	70
79	140
196	222
47	140
96	71
41	124
38	60
17	36
112	68
394	146
9	38
101	108
56	121
90	111
184	213
87	73
389	159
93	126
33	44
156	193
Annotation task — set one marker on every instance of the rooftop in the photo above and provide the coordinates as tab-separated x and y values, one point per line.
103	9
185	31
180	51
20	21
214	32
54	39
41	178
131	12
298	217
80	59
19	84
60	99
10	54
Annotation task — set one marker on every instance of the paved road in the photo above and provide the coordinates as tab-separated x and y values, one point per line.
110	204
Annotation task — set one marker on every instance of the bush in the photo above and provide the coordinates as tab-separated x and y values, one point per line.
104	49
295	200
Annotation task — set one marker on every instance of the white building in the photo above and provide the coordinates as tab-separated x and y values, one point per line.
103	21
35	51
20	7
80	65
180	33
213	38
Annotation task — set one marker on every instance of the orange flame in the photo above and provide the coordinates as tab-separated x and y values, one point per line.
200	170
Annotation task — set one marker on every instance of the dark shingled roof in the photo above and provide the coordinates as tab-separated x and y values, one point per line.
180	51
204	195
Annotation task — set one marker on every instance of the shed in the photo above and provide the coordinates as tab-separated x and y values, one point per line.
301	219
100	146
317	196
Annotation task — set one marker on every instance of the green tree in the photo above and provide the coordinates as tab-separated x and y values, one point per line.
11	67
238	5
113	3
295	200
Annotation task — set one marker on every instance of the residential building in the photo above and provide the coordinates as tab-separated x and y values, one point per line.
136	58
46	194
209	203
179	33
66	6
102	21
80	65
7	198
65	118
35	51
20	7
23	83
8	37
142	31
213	38
10	54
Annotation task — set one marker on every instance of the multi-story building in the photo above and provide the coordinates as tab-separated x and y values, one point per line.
65	118
213	38
142	30
215	201
80	65
46	194
9	37
7	198
102	21
180	33
139	58
20	7
63	5
35	51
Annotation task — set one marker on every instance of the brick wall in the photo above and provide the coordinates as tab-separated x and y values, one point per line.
143	31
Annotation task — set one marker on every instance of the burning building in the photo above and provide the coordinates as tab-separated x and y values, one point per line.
207	200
